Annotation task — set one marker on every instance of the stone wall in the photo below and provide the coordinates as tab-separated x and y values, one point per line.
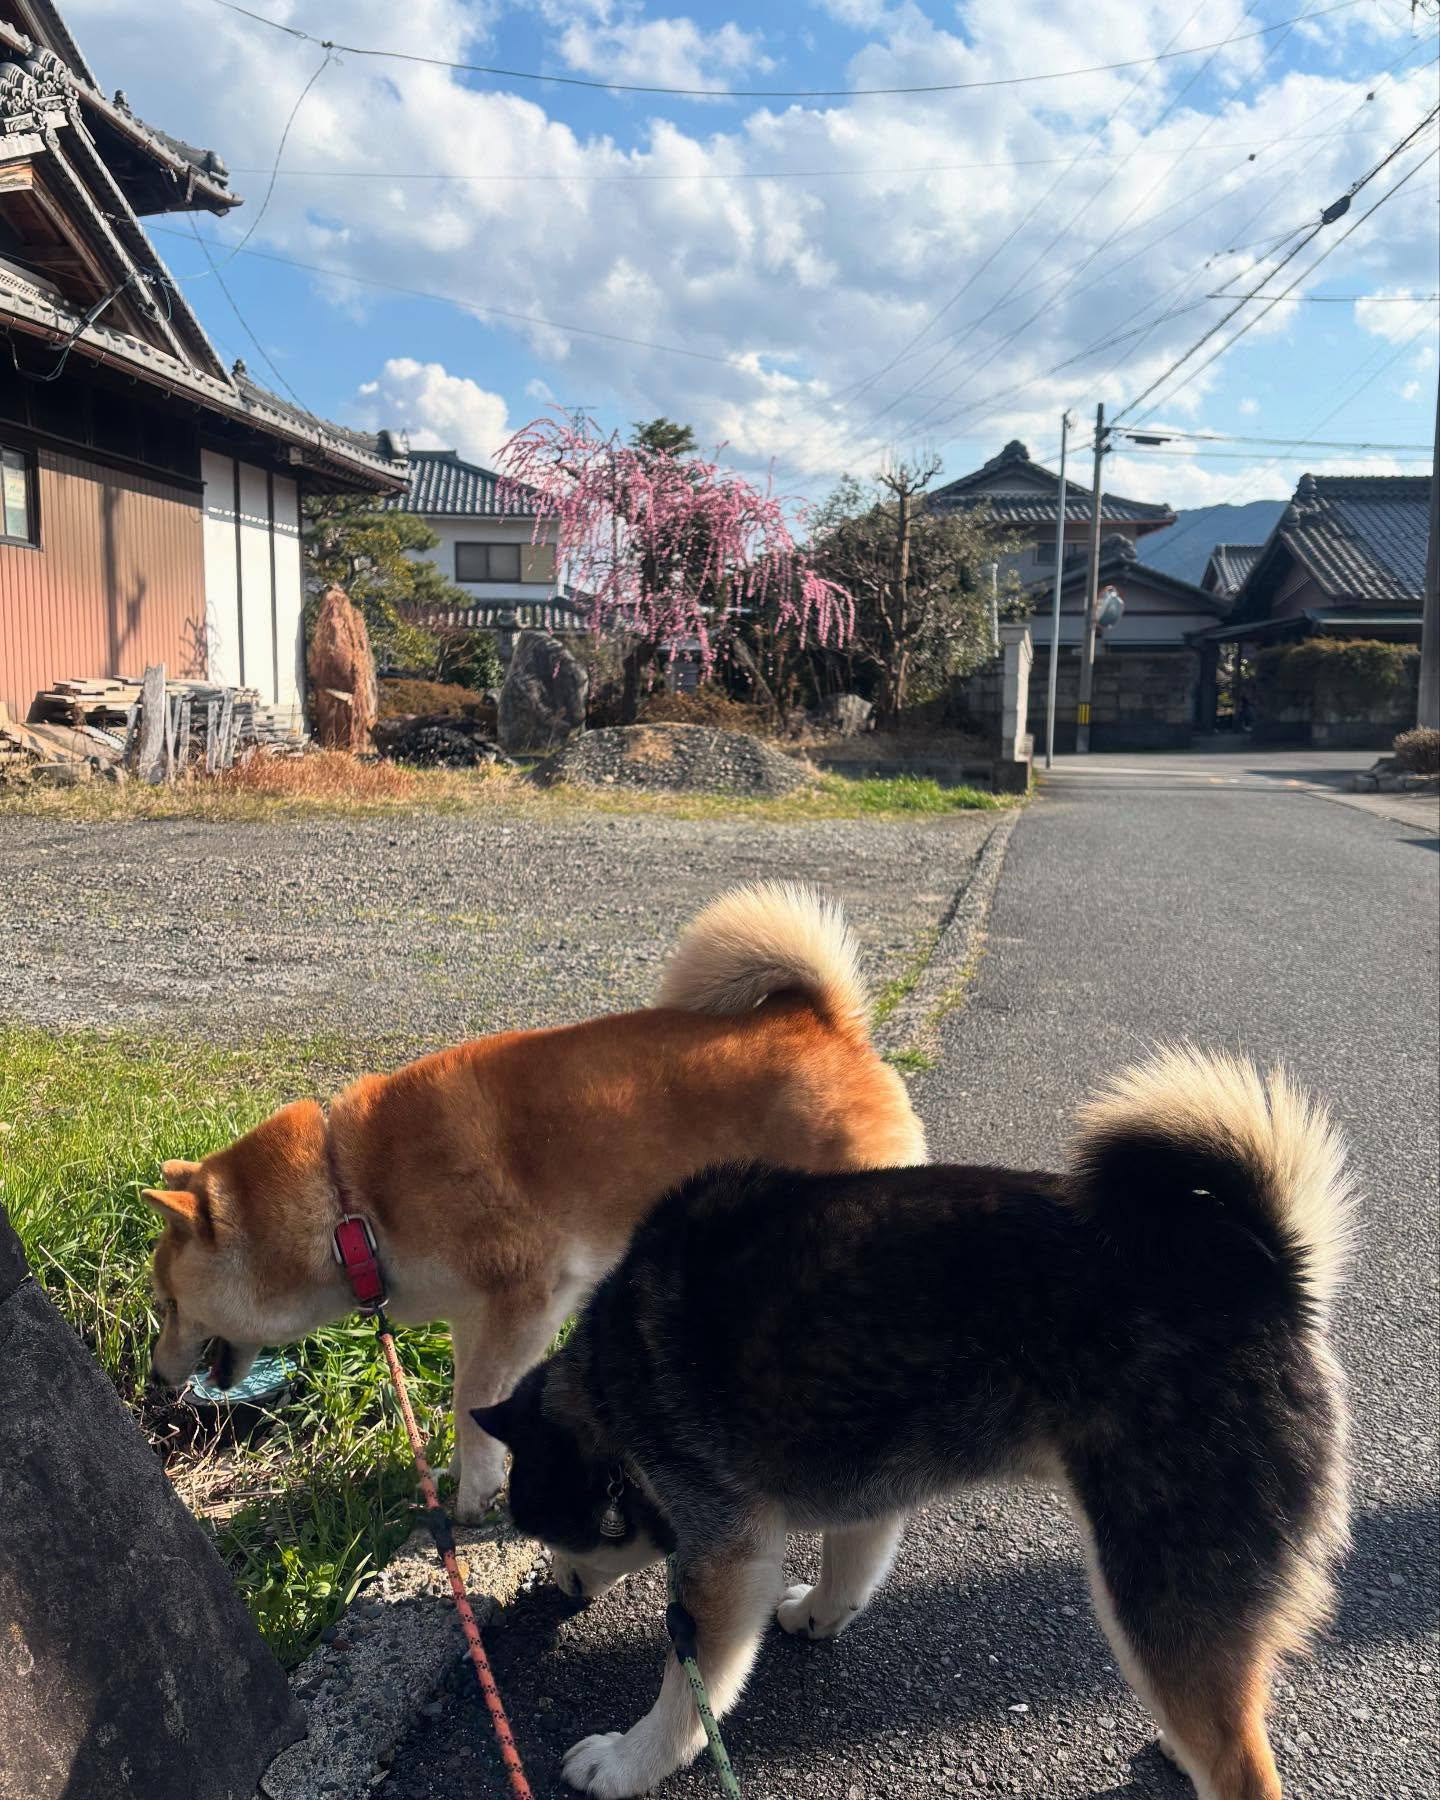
1142	699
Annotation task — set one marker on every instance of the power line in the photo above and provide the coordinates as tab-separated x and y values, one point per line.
1362	380
1304	274
976	273
851	172
1247	456
684	93
1069	276
243	322
1223	437
254	224
1337	299
1337	209
462	301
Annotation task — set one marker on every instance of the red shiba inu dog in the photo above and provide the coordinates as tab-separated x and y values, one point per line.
503	1178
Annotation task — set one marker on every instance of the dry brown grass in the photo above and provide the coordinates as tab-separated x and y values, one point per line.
331	784
327	775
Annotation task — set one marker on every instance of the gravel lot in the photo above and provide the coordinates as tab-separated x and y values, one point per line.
414	932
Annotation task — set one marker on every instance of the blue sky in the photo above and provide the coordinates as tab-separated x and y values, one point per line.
818	284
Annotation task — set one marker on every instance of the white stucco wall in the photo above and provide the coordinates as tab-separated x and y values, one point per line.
254	592
486	531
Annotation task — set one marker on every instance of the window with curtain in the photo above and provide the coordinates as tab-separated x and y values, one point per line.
17	494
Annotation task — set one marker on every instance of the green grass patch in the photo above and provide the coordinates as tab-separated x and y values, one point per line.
325	1492
911	1061
901	986
332	786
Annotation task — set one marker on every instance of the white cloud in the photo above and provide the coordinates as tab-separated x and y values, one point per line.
1412	390
1249	406
794	294
440	411
1391	314
660	52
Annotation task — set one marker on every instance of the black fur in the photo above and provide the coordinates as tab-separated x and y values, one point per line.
842	1347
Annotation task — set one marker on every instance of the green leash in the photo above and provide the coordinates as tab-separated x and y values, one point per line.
681	1627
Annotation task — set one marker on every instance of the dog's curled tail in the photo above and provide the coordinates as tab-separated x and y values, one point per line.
1186	1150
775	937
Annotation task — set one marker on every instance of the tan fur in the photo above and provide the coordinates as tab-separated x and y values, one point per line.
1223	1102
763	940
504	1177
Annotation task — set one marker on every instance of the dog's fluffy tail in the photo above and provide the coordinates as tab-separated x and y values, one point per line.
775	937
1189	1152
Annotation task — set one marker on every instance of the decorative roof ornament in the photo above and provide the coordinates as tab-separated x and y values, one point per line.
238	368
1306	493
1119	548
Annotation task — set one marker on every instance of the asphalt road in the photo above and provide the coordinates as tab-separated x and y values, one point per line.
1254	915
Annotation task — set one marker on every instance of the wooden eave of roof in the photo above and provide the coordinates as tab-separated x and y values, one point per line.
177	183
329	454
123	245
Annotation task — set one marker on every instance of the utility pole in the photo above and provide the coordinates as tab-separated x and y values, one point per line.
1428	712
1055	609
1092	596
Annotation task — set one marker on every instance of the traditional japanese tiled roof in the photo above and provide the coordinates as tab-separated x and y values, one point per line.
443	484
1031	498
155	171
1228	566
1120	562
1361	537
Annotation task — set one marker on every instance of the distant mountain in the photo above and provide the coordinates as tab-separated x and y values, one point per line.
1184	548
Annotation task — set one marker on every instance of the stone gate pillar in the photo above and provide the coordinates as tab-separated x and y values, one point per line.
1016	746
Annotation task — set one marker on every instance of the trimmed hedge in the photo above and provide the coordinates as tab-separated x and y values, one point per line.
1349	676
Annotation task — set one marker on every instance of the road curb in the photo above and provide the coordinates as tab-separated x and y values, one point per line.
911	1034
362	1690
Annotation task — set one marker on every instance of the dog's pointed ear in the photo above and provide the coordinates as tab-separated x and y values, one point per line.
184	1200
177	1206
495	1421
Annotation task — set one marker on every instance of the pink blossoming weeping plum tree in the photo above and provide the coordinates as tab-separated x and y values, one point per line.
666	547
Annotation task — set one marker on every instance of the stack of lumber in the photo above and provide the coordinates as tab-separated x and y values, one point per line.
97	701
101	720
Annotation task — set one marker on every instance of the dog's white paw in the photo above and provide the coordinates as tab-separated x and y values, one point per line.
604	1766
804	1612
1167	1750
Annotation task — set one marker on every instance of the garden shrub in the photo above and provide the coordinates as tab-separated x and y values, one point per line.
708	705
1418	750
1348	676
400	696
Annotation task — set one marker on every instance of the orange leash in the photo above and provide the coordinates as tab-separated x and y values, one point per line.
439	1526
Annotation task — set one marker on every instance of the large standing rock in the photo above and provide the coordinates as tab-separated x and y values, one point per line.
342	675
542	704
128	1668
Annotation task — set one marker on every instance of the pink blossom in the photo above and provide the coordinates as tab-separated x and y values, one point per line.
662	548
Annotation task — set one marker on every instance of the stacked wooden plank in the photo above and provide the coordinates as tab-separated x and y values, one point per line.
102	720
105	703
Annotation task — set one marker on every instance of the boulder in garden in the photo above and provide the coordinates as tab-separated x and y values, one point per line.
542	704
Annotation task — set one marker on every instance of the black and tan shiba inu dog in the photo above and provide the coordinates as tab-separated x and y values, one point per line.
781	1351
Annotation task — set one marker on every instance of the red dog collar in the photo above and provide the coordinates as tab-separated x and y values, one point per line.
355	1251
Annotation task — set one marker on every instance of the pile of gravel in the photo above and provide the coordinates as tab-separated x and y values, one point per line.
697	759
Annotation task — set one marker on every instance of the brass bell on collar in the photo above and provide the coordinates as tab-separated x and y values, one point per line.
612	1520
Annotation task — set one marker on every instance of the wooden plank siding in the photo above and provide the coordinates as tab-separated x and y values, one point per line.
117	582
